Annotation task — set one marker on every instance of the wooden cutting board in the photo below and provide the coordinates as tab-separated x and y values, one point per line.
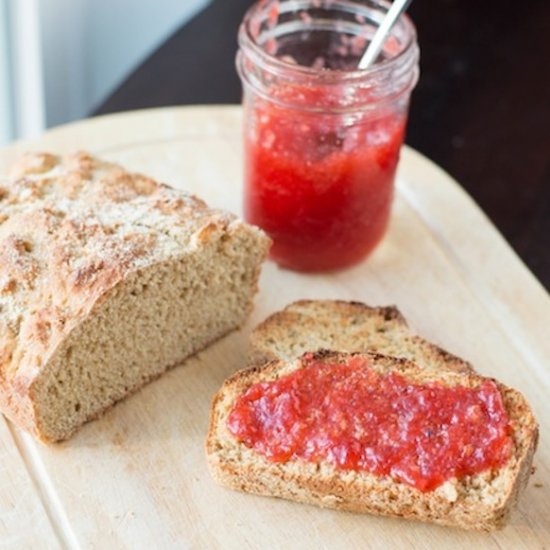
137	478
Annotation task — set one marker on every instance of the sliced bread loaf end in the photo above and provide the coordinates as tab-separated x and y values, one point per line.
107	279
309	325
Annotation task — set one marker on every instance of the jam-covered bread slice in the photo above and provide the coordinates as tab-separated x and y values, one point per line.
374	434
310	325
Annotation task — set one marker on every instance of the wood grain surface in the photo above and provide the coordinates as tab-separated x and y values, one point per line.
137	478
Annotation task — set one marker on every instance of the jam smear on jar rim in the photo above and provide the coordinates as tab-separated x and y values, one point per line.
356	418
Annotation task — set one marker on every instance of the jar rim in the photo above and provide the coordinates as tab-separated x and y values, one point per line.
281	66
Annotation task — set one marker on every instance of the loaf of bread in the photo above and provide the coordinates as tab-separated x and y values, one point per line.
309	325
107	279
482	501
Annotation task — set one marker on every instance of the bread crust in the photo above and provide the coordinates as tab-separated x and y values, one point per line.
307	325
73	231
482	502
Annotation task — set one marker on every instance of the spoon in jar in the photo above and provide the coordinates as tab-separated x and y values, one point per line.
377	42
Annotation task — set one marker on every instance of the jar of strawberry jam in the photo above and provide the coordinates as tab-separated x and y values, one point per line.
322	138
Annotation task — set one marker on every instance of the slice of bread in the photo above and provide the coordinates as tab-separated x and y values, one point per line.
107	279
481	502
309	325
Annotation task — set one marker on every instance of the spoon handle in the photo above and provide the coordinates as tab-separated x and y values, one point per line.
377	42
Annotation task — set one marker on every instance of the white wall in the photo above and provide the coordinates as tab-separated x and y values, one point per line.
61	58
6	120
27	71
21	76
90	46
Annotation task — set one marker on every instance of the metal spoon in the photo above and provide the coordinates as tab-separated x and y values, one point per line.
377	42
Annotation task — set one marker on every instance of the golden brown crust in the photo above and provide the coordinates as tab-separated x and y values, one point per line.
482	502
73	228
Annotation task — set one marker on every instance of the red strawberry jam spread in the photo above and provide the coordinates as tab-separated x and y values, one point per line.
322	136
321	190
358	419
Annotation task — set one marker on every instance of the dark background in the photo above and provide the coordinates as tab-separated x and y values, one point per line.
481	109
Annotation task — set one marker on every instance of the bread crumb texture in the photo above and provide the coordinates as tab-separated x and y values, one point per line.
107	278
310	325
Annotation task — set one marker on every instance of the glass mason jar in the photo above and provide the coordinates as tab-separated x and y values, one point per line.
322	138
